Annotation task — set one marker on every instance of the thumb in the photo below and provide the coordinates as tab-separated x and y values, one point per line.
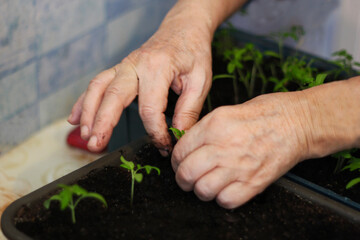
188	107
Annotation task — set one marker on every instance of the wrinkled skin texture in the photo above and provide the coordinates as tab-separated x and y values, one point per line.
237	151
177	56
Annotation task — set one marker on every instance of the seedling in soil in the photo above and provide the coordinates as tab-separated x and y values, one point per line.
352	164
66	198
297	71
135	176
296	32
177	133
345	63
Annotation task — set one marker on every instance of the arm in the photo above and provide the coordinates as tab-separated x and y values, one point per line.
235	152
332	117
178	55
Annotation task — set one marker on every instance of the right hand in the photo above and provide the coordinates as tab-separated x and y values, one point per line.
178	55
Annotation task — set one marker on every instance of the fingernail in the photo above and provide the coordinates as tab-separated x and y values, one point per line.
92	142
84	132
69	118
164	152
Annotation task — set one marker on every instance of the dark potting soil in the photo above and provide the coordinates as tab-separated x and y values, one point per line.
163	211
322	172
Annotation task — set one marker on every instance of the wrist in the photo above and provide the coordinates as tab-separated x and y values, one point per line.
209	13
331	117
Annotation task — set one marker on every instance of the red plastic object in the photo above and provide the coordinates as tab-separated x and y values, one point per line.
74	139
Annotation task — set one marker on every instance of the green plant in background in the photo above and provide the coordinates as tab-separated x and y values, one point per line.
297	70
66	198
346	161
345	63
177	133
352	165
237	58
135	176
342	157
295	32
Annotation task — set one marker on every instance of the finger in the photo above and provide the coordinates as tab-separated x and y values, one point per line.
153	93
191	100
92	100
119	94
236	194
75	115
188	143
209	185
194	166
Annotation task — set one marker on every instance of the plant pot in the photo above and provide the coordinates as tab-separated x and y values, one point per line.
162	210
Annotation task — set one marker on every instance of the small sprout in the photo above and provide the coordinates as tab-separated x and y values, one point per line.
65	197
352	164
177	133
345	63
135	176
353	182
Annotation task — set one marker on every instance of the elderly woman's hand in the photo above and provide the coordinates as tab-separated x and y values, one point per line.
235	152
178	55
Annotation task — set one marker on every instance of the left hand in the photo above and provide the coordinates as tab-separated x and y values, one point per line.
235	152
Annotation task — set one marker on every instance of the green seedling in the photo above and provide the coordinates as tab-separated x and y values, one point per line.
237	58
177	133
342	157
66	198
295	32
352	164
345	63
300	72
135	176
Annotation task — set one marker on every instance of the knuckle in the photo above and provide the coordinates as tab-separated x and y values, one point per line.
86	112
192	115
176	156
95	83
217	118
146	112
104	120
155	59
184	175
204	191
113	90
226	201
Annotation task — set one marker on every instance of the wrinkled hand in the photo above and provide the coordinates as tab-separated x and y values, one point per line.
235	152
178	55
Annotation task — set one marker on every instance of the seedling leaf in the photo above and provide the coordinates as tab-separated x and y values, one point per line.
138	177
177	133
231	67
148	169
65	197
128	163
125	166
98	197
272	54
353	182
78	190
320	79
47	202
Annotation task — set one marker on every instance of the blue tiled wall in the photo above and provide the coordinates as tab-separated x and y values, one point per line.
50	50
